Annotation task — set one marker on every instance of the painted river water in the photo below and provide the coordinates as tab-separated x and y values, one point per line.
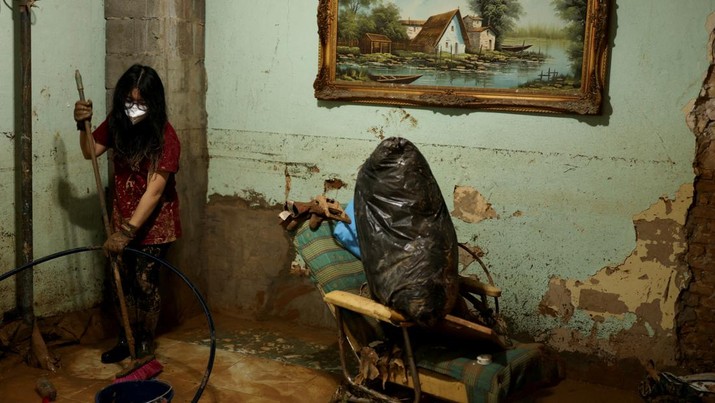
493	75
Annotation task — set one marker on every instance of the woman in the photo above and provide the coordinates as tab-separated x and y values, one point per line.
145	206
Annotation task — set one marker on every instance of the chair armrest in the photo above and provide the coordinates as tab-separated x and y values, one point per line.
450	324
467	330
477	287
365	306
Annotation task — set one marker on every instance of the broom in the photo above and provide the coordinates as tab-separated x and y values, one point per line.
146	367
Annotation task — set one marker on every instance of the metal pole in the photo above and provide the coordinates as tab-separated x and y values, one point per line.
25	292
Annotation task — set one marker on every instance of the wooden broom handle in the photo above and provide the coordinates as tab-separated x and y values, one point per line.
107	228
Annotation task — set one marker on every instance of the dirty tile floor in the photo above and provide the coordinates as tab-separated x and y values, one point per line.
254	362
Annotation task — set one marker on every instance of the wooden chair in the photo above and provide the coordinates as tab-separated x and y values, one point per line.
447	362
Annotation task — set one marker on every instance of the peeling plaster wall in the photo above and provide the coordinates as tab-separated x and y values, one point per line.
580	218
621	308
66	210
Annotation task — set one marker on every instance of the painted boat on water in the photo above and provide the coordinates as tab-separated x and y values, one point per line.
514	48
394	79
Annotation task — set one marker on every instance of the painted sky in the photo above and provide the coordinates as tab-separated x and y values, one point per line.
537	11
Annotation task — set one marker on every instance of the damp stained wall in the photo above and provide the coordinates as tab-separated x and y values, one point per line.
580	218
65	36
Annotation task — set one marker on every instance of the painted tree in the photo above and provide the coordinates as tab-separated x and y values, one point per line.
574	13
354	6
499	15
387	22
352	22
358	17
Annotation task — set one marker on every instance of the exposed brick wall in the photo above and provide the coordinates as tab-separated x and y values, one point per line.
169	36
696	314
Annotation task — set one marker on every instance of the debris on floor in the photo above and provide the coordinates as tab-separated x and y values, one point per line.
272	344
660	386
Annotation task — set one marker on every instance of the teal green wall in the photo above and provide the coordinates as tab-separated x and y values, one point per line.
66	35
566	190
568	193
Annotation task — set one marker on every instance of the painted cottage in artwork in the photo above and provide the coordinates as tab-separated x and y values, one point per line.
442	33
375	43
480	37
412	27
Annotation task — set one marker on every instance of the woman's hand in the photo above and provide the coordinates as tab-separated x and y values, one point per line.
82	110
116	243
120	239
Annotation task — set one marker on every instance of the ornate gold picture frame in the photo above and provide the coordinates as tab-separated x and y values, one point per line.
539	56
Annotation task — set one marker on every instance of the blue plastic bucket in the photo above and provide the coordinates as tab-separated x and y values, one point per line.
151	391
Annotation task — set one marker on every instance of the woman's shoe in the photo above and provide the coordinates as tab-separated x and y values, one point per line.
116	353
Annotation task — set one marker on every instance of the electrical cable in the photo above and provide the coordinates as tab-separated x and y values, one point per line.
199	297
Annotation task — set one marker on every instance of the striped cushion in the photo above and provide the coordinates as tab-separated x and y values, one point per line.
331	266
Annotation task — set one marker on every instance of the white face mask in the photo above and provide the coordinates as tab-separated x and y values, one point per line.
135	112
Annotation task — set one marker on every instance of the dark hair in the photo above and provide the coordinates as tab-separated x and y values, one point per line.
146	138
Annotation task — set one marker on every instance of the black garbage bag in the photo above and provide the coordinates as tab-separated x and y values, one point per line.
407	239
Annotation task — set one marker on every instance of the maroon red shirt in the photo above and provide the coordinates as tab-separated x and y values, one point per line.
164	224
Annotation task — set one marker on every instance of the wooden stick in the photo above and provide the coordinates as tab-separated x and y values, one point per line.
108	229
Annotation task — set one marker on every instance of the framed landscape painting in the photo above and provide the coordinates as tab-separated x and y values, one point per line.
545	56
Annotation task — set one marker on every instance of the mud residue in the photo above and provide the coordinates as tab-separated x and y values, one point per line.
557	301
333	184
599	301
396	120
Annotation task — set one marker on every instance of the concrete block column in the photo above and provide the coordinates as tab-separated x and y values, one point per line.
169	36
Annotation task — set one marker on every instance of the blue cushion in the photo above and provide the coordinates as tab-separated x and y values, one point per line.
346	234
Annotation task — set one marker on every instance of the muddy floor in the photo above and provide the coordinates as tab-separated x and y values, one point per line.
254	362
